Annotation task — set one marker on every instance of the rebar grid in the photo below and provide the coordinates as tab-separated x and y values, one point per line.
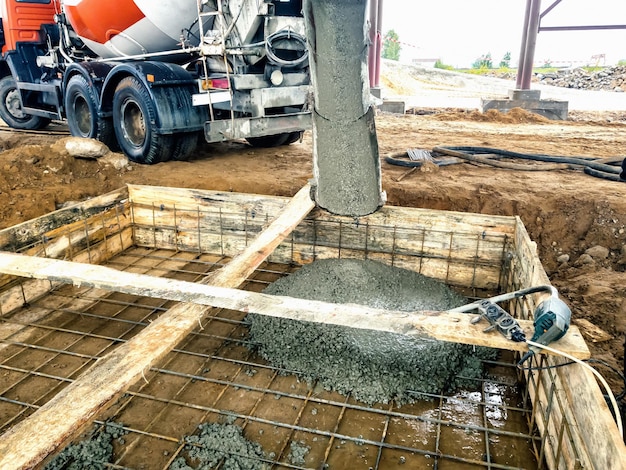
420	248
213	375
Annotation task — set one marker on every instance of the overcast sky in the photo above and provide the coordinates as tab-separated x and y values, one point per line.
460	31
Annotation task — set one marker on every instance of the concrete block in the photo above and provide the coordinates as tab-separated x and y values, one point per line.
533	95
551	109
393	107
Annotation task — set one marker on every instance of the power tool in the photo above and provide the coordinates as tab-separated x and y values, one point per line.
552	320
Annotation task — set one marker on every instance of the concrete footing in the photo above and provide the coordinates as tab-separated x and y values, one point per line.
393	106
529	100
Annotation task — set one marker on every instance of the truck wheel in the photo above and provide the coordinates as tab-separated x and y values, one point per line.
293	137
11	110
81	108
184	146
134	116
268	141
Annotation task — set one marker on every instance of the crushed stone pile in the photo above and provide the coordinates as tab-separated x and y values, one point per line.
373	366
606	79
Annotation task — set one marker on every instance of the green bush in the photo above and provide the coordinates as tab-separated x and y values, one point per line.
440	65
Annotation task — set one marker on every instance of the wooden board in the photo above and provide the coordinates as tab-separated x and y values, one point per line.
444	326
32	231
55	422
457	248
577	424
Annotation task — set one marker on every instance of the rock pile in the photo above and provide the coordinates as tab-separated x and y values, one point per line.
607	79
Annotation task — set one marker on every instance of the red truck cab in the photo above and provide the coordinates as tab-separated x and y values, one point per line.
22	20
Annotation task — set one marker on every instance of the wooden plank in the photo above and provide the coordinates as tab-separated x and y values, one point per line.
579	402
56	421
166	199
85	235
15	296
444	326
592	332
27	233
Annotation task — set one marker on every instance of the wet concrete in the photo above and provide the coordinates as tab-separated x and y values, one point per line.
373	366
220	445
346	164
92	453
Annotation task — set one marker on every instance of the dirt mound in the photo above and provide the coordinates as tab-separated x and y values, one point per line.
38	176
514	116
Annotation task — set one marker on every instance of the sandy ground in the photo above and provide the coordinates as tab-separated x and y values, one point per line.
565	211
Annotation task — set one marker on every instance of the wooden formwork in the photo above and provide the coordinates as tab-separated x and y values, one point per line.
479	253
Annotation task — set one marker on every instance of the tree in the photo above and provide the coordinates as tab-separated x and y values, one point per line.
391	45
506	61
483	62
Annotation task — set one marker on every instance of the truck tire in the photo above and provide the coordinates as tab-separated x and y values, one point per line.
134	115
184	146
293	137
81	109
11	108
269	141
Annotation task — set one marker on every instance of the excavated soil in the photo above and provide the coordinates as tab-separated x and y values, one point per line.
566	212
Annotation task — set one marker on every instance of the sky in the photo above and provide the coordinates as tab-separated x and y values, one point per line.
460	31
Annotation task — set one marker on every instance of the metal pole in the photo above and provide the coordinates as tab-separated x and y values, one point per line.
531	43
379	42
522	53
373	49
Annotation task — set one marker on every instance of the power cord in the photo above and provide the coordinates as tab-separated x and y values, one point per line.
616	410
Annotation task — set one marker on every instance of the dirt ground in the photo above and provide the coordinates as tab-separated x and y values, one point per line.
565	211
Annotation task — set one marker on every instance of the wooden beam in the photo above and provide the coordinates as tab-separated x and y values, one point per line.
51	425
443	326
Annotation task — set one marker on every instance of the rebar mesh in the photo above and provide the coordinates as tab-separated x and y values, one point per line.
213	375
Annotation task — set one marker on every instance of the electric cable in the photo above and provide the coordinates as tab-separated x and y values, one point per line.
616	371
616	410
507	296
619	373
578	161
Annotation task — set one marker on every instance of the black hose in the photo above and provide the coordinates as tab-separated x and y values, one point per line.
599	170
602	174
541	158
418	163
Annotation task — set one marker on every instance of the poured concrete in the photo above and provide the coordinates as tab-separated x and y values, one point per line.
373	366
346	163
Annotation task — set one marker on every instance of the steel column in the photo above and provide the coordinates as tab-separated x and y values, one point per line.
531	22
373	58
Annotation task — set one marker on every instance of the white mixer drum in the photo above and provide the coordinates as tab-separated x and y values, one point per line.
117	28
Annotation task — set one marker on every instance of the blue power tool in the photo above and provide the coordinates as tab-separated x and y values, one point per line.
552	320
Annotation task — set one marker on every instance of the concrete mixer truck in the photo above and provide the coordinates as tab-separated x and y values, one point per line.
150	77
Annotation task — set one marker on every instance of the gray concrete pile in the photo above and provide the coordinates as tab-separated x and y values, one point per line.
606	79
373	366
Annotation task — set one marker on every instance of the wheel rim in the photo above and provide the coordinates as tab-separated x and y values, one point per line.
13	104
133	123
82	115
